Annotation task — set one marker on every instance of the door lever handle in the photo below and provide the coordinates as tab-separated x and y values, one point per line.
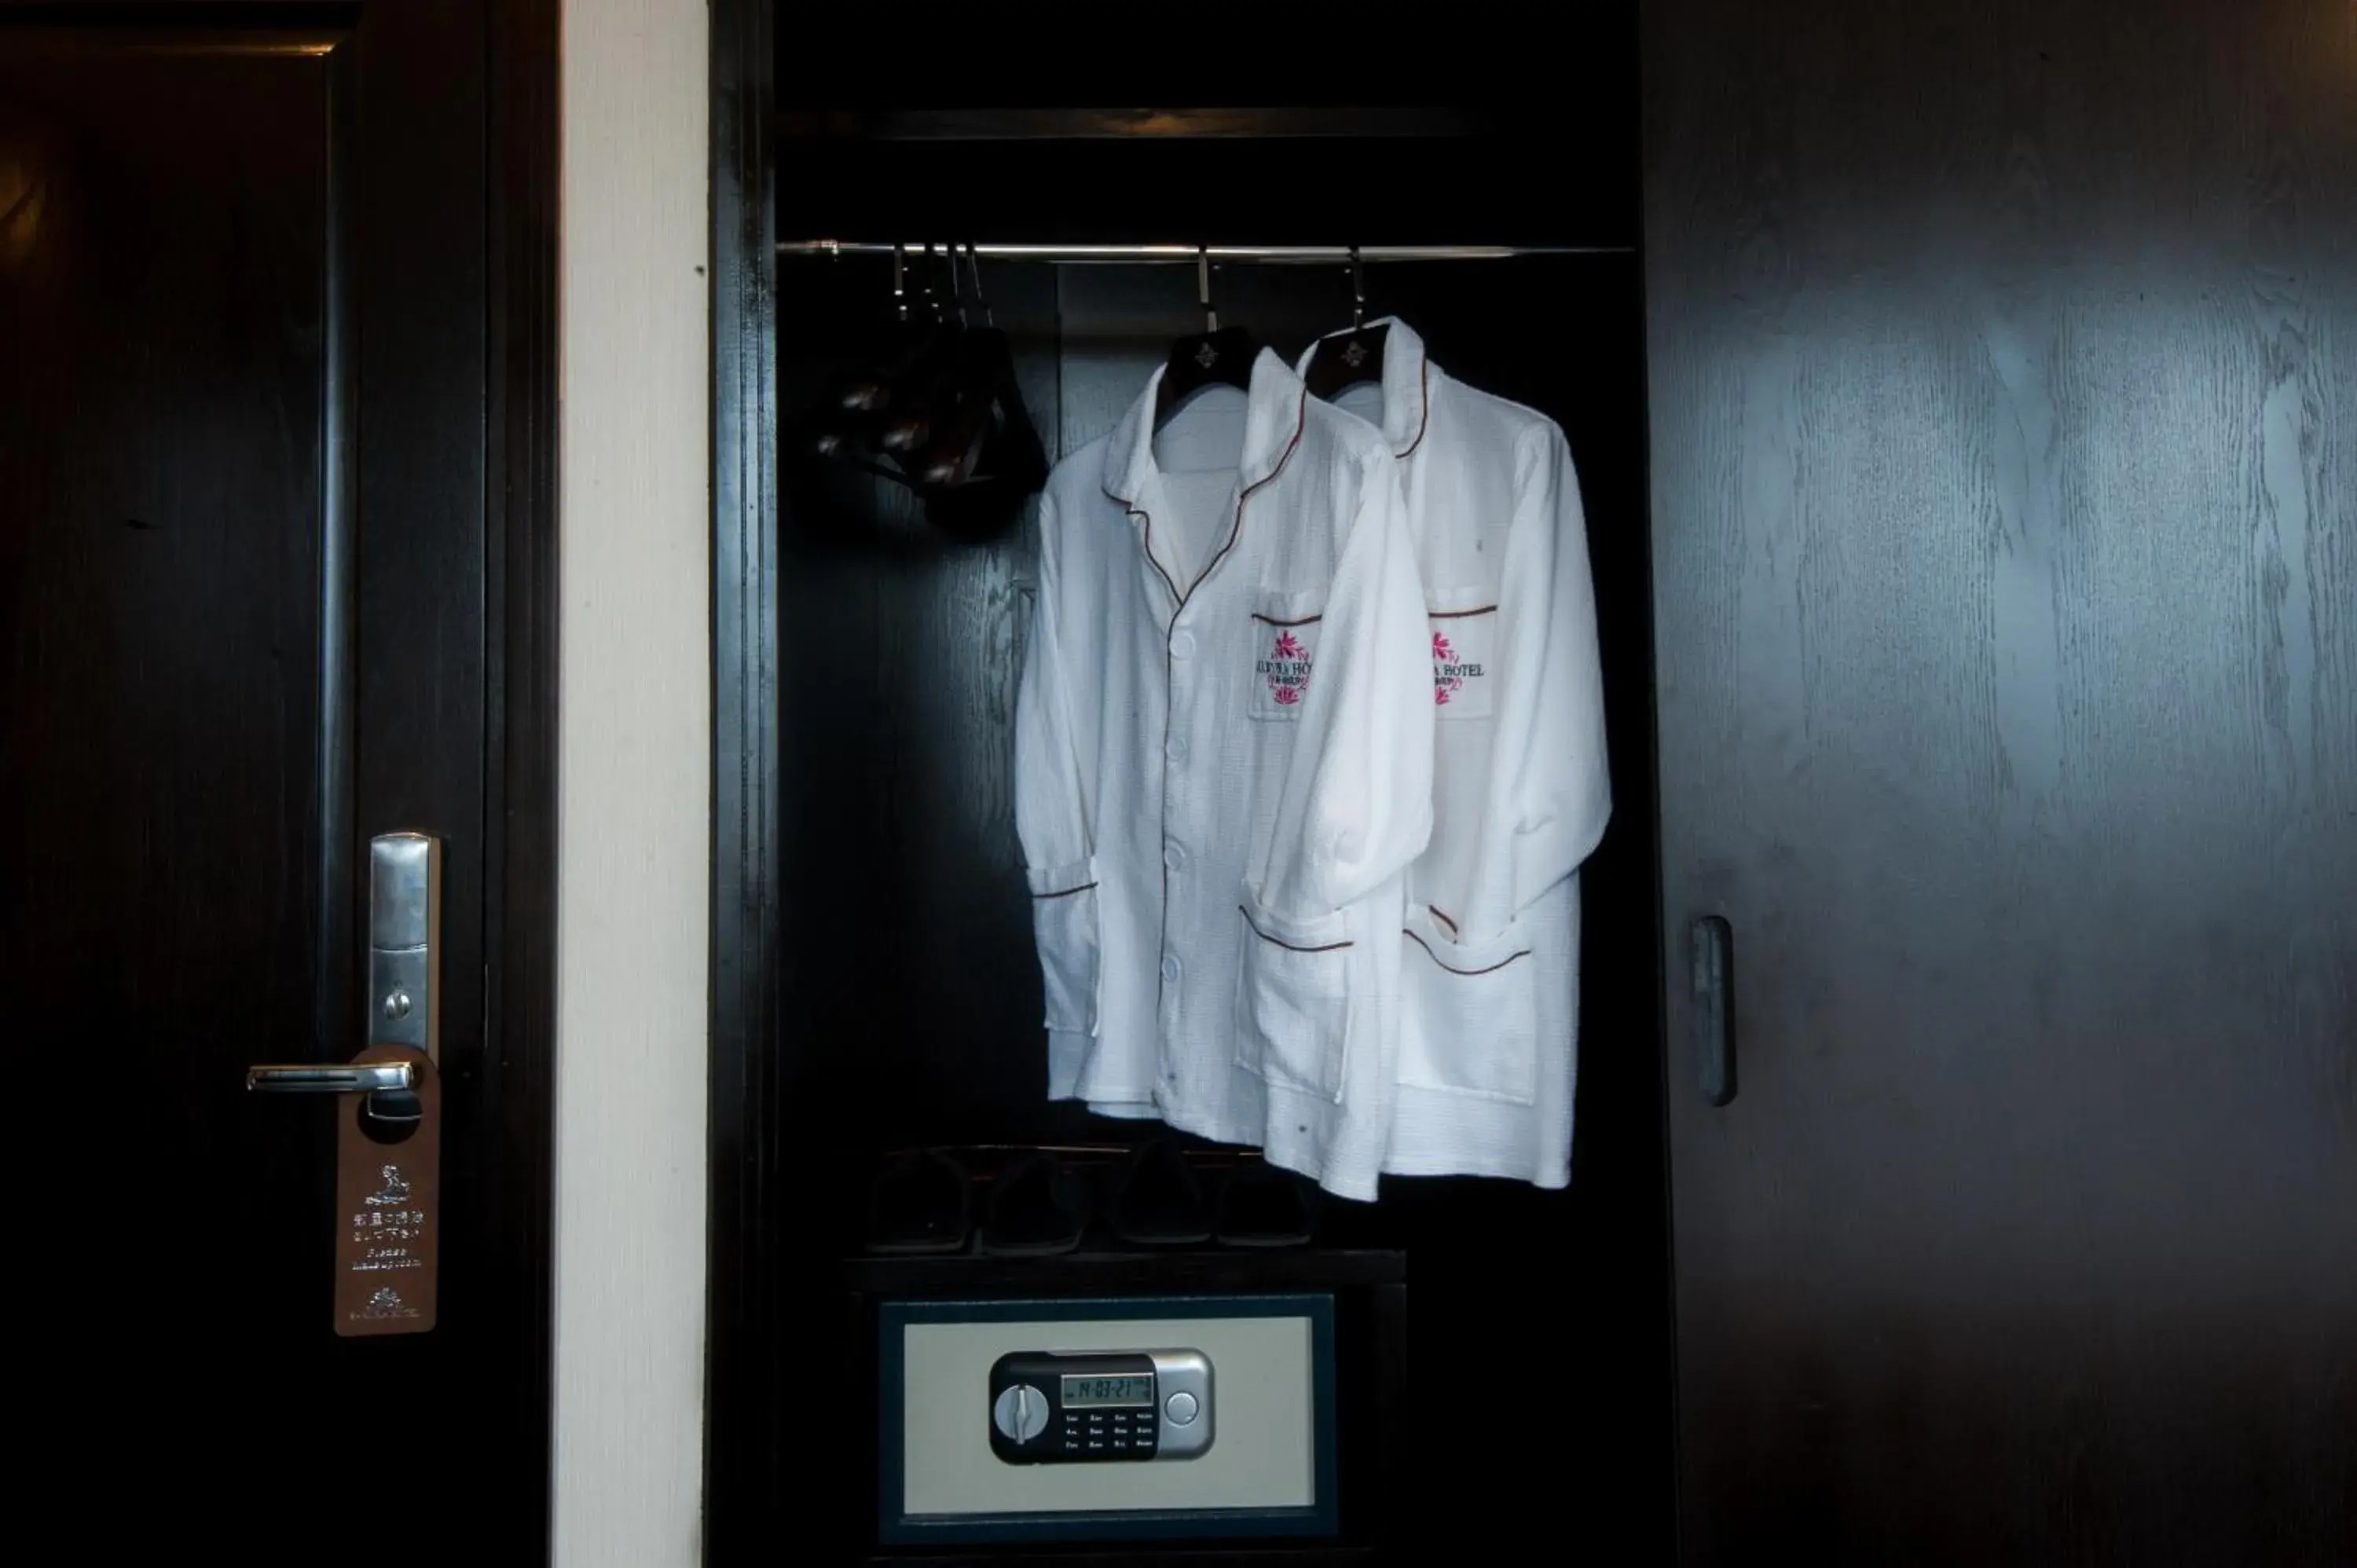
321	1078
387	1221
405	975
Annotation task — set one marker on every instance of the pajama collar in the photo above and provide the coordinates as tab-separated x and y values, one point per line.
1407	382
1272	429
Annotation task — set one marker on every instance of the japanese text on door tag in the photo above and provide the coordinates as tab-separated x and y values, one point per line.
389	1205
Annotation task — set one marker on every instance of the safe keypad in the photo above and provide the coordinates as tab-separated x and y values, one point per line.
1108	1433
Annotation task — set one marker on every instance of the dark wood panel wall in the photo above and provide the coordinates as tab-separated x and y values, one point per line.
2003	365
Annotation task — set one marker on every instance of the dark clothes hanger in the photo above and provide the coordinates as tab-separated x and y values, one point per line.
1217	356
1344	359
967	408
883	402
925	391
867	389
940	412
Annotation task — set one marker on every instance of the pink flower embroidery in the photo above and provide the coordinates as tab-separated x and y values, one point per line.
1444	683
1287	668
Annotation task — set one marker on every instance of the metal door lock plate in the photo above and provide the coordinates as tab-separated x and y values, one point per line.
404	908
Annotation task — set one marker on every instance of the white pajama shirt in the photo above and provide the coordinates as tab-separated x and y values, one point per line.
1490	982
1223	770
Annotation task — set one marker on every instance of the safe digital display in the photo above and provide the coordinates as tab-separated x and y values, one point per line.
1125	1391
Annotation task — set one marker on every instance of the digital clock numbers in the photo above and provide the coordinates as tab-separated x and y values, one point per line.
1088	1390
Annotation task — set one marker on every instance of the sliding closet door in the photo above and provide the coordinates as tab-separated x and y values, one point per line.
2003	377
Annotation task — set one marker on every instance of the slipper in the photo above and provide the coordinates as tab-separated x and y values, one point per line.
1037	1206
1156	1201
924	1203
1263	1206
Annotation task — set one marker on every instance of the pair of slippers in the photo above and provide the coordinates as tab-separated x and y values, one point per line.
1158	1197
1153	1196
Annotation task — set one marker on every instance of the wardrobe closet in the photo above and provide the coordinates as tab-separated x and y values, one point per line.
1965	1150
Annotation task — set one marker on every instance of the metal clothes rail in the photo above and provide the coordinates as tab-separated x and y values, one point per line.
1324	255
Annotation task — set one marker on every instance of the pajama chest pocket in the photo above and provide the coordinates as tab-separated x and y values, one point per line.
1469	1013
1064	922
1464	651
1293	1004
1284	651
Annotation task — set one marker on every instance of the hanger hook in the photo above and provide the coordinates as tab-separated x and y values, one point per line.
1358	293
974	265
933	294
1204	287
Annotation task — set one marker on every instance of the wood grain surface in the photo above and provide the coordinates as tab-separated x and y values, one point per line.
2003	371
245	603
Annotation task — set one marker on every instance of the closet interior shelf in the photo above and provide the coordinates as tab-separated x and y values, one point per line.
1339	255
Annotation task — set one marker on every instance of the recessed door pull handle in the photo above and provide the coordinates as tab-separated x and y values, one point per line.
1714	1008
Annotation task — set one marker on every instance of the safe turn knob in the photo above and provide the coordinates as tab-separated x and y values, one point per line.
1020	1412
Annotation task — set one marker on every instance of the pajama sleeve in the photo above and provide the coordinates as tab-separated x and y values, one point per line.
1355	812
1357	807
1053	821
1549	780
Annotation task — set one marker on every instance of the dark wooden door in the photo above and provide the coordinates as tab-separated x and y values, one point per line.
244	628
2003	371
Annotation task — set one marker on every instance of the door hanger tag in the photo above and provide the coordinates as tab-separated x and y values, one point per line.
389	1202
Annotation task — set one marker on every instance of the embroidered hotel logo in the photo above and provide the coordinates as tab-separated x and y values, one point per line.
1449	673
1286	670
